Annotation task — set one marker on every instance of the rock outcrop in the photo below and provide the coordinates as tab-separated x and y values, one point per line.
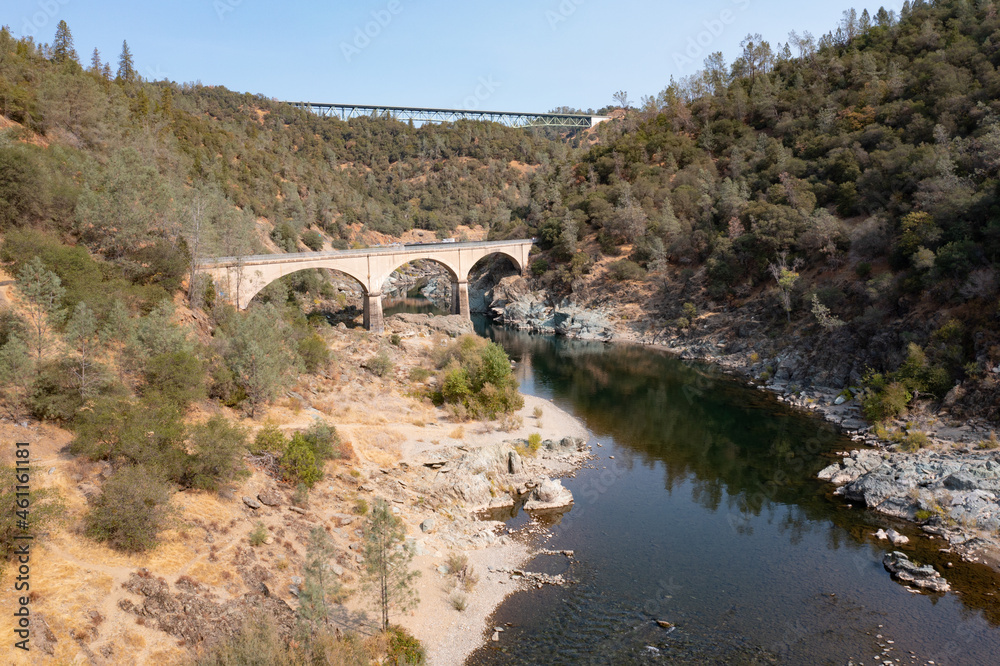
922	577
963	489
490	477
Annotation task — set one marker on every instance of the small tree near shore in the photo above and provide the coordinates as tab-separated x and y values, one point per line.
386	561
786	278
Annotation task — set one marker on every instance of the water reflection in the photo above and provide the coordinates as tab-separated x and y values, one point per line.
709	514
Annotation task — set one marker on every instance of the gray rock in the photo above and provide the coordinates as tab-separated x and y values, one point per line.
960	481
550	494
828	472
268	499
427	525
896	538
514	464
922	577
251	502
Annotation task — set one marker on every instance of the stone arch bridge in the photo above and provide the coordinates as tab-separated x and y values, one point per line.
239	279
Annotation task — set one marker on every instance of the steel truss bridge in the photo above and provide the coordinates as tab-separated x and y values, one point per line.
510	119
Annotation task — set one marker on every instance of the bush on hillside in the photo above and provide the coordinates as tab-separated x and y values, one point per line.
130	511
476	375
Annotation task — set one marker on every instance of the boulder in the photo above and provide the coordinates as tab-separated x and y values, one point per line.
922	577
251	502
268	499
550	494
514	464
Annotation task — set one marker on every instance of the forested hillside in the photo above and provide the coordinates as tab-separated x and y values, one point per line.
88	144
860	168
853	176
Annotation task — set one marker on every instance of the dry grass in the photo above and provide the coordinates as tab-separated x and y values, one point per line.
380	446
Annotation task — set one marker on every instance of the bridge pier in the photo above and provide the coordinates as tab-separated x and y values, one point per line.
374	321
460	298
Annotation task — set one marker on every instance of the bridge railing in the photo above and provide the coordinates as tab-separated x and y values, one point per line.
382	249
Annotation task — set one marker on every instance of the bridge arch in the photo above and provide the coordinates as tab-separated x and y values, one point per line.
258	289
256	280
239	279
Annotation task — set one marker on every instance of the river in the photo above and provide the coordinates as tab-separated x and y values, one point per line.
701	509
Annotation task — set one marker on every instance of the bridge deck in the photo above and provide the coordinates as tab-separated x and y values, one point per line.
256	259
418	114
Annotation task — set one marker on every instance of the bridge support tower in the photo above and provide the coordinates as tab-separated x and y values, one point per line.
374	320
460	298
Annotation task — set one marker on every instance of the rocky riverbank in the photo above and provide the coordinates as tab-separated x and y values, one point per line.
950	483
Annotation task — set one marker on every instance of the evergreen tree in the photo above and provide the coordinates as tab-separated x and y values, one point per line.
386	561
320	588
126	67
62	47
15	373
43	292
95	62
258	356
81	333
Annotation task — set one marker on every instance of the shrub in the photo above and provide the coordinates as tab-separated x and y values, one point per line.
379	365
217	454
269	439
456	563
176	377
300	497
539	267
625	270
136	433
361	506
130	511
323	440
285	237
458	601
690	311
476	376
404	648
395	340
863	270
258	536
914	440
886	402
419	374
313	352
312	240
534	442
53	396
991	442
298	462
45	504
257	643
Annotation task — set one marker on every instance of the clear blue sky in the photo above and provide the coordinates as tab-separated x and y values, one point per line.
516	55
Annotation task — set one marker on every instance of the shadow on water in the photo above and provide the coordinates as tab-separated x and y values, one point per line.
702	508
410	300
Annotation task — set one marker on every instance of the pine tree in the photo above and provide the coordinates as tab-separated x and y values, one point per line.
386	562
81	333
126	67
95	62
42	291
320	588
62	47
